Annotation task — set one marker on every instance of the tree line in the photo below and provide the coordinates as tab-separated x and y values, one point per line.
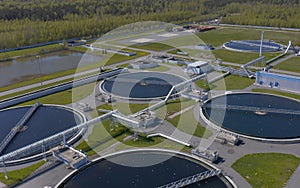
26	22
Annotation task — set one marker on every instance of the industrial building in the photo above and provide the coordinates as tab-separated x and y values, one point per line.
280	81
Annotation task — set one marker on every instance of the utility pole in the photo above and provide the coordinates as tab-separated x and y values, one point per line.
5	170
261	43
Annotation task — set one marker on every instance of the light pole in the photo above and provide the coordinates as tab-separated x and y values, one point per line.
41	79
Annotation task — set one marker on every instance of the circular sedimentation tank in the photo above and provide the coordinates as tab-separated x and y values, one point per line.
109	171
140	85
255	115
46	121
252	46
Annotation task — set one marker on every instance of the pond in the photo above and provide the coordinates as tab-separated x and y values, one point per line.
25	68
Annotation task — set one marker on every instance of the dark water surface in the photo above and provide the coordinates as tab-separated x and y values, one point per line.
265	125
105	173
46	121
142	85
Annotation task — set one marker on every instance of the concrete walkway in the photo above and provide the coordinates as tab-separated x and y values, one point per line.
294	180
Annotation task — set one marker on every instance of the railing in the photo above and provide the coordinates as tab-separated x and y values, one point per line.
192	179
261	110
125	120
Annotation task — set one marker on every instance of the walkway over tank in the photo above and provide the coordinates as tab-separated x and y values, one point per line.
18	126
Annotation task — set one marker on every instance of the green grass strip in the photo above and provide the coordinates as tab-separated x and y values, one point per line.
18	176
265	170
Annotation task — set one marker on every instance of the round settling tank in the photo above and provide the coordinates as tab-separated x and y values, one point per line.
45	121
105	173
252	46
141	85
254	115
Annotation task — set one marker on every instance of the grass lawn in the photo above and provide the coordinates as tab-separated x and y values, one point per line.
173	106
65	97
292	64
265	170
187	123
32	89
101	135
159	68
291	95
86	147
232	82
123	65
143	142
153	142
158	47
31	51
204	54
240	57
79	49
17	176
125	108
175	52
221	35
116	58
203	84
188	40
224	34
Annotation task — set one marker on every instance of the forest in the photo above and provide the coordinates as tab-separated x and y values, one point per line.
26	22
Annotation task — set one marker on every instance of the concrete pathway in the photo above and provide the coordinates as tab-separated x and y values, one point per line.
294	180
2	185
